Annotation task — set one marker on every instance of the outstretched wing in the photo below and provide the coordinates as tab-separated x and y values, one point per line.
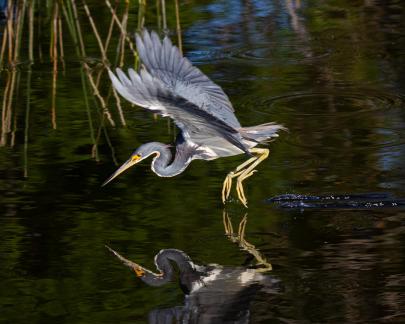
149	92
164	62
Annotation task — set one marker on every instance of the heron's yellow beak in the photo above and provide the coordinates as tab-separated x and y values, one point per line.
139	270
132	161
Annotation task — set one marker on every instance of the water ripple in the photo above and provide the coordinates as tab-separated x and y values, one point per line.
260	55
325	104
340	116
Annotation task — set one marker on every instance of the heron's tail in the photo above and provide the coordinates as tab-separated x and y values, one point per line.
261	133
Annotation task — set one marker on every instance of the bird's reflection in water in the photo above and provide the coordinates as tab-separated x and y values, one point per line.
213	293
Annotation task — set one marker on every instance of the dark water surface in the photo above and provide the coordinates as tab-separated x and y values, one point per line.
332	72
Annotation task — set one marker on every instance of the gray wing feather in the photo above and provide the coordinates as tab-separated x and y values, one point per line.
165	62
146	91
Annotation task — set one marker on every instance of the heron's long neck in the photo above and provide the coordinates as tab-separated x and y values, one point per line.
161	163
162	261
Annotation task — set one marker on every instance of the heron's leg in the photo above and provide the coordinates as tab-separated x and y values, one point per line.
226	188
247	172
239	239
227	224
241	234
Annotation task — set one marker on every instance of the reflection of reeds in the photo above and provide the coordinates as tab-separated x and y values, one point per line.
27	122
53	106
94	150
53	52
7	113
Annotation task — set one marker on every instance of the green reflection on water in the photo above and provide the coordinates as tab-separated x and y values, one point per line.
333	74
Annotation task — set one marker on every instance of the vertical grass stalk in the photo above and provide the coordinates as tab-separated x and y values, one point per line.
178	28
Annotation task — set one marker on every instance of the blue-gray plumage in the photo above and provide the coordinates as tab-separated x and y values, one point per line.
169	85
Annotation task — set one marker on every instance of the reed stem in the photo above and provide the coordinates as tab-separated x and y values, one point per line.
124	26
3	140
164	21
96	34
98	95
120	112
78	28
158	15
3	46
117	21
141	14
10	18
110	30
19	27
178	28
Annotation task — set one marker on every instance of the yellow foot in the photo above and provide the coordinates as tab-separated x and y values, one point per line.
242	172
226	187
239	187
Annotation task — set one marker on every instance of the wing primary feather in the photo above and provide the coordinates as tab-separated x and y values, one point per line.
168	83
164	61
156	45
140	47
149	92
162	56
167	44
133	76
150	48
123	78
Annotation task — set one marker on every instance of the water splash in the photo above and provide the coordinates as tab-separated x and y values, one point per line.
338	201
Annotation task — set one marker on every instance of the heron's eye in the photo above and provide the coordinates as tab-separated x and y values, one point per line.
136	157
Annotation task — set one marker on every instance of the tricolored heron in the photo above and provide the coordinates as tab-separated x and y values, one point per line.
214	294
169	85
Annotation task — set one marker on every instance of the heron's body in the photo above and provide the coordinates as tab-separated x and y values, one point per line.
169	85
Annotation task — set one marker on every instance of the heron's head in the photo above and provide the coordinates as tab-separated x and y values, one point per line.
137	156
142	273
